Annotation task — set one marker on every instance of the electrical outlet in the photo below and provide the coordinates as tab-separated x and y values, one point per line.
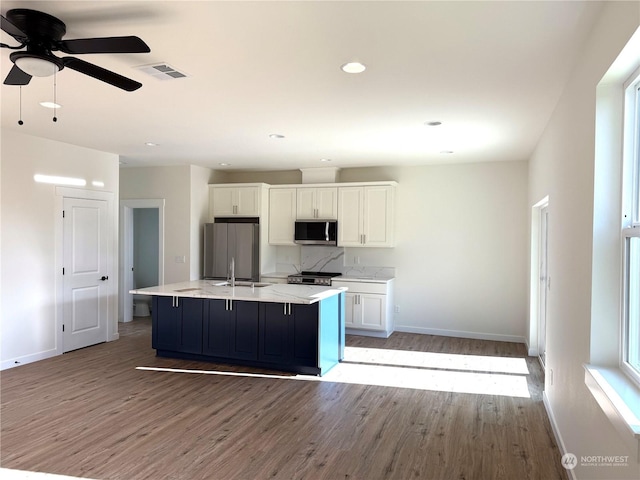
181	259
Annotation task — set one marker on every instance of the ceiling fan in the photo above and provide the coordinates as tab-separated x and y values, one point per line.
42	34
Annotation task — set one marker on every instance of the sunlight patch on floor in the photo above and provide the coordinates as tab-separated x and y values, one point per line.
9	474
443	361
444	376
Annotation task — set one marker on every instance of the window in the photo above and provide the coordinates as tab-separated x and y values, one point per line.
630	360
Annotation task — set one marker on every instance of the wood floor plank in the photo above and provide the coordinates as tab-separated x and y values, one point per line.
90	413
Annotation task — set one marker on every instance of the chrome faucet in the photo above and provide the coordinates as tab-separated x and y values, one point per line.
232	271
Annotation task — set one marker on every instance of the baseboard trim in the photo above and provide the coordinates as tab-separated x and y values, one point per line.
556	431
461	334
366	333
16	362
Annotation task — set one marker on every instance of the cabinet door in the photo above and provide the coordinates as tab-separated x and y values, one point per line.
222	201
304	332
378	205
274	333
247	201
327	203
351	314
190	311
244	330
350	216
164	318
282	215
373	311
305	204
216	336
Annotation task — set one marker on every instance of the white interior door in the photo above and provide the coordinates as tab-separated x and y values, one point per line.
544	284
85	281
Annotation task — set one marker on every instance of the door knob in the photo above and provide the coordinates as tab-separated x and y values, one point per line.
105	278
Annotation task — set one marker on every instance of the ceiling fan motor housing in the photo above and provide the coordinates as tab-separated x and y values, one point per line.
40	27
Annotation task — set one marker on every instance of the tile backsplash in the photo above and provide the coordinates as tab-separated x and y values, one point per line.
325	259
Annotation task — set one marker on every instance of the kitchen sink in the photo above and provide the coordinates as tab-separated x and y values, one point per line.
251	284
242	283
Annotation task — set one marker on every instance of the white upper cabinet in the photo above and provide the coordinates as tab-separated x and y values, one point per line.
319	202
366	216
282	215
228	201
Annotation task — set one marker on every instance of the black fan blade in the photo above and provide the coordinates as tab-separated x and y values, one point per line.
130	44
102	74
17	77
12	30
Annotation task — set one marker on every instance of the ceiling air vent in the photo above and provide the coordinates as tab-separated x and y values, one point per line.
162	71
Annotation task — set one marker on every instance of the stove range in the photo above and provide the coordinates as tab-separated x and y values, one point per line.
312	278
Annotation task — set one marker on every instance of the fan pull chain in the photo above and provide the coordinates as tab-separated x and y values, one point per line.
20	122
55	74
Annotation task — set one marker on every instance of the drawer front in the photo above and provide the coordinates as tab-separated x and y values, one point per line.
357	287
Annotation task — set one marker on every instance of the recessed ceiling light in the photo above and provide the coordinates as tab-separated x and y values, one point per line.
223	164
276	135
325	159
446	152
150	144
353	67
432	124
50	105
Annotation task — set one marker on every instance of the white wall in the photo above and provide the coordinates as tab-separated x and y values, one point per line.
200	180
28	276
461	247
562	167
184	189
172	184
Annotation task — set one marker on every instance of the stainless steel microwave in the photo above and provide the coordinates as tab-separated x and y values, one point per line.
316	232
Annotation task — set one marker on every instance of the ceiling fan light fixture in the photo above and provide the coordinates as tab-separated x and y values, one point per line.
36	66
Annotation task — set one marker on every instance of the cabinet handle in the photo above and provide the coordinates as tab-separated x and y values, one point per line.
289	309
174	302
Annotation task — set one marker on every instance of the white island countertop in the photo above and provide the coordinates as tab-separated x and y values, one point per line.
275	293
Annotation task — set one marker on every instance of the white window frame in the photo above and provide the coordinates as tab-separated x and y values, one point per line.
631	228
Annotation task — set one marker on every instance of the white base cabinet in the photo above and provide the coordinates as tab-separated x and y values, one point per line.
368	307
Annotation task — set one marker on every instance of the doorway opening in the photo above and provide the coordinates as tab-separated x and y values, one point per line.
142	252
540	280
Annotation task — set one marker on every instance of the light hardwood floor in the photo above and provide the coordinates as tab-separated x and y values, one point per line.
91	413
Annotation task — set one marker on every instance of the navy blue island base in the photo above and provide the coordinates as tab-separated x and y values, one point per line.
292	337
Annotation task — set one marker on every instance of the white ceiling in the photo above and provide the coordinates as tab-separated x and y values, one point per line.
491	72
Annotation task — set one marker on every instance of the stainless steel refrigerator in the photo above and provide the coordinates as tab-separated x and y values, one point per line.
232	237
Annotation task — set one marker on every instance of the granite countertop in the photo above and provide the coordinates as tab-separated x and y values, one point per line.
363	279
276	293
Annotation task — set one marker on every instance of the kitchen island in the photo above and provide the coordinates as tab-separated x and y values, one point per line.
295	328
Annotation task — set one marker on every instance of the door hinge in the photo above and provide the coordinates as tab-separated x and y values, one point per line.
63	270
62	213
63	327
